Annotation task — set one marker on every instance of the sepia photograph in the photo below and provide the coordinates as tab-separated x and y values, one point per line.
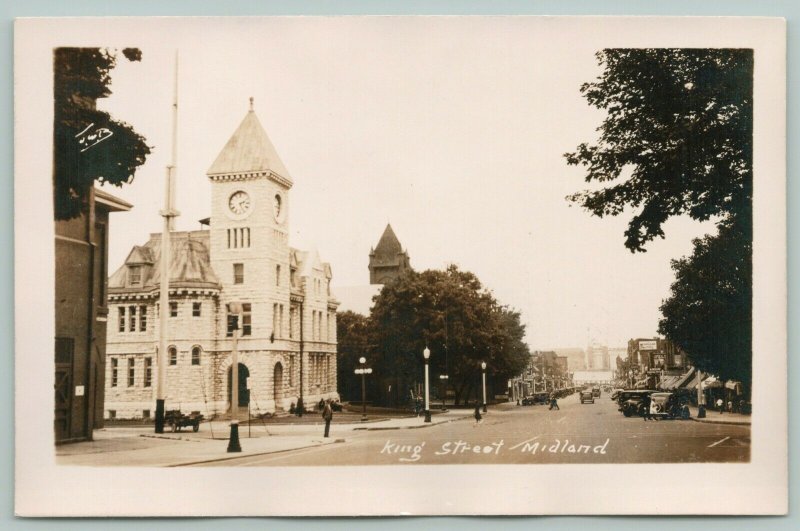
421	250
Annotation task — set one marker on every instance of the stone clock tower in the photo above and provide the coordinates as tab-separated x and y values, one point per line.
250	226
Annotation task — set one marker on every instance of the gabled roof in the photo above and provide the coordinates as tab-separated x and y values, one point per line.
190	265
249	150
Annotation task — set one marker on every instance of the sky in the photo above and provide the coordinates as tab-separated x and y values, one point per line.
453	130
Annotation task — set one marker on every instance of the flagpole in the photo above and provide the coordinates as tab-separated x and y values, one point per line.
169	213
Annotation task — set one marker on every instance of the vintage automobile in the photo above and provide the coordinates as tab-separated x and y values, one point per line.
587	396
177	420
630	401
670	405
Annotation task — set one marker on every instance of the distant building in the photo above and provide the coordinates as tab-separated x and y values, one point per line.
651	358
575	357
81	246
388	260
287	325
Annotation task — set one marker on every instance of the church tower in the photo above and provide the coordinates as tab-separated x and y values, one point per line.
250	226
388	260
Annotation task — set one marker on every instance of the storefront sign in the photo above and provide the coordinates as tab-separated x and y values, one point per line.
650	344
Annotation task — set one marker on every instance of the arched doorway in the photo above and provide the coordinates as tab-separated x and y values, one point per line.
277	384
244	393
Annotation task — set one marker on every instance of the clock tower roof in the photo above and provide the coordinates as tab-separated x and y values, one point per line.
249	151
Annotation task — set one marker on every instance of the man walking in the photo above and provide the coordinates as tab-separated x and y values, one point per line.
327	416
554	402
646	407
477	415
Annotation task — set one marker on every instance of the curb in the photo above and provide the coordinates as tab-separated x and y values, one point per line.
255	454
424	425
729	422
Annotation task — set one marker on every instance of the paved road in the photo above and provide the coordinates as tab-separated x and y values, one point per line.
577	433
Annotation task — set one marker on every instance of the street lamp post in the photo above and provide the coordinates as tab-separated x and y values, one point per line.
363	371
427	354
483	374
233	322
443	380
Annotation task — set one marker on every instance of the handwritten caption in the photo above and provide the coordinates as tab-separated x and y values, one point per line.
91	137
410	453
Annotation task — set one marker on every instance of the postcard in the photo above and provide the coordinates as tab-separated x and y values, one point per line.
400	266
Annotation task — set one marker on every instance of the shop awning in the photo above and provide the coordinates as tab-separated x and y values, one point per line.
734	386
687	379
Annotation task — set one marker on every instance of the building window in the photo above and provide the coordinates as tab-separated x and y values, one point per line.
246	319
195	355
293	276
173	355
238	273
122	318
148	371
145	413
173	309
292	312
196	308
278	275
112	413
246	236
291	370
132	317
135	275
131	371
142	318
114	371
229	238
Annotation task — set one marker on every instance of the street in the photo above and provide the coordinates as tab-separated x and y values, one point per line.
577	433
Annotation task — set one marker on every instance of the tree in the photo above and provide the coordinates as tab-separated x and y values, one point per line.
353	342
708	312
678	136
450	313
678	139
88	145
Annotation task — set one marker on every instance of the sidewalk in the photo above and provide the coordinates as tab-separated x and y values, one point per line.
140	446
714	417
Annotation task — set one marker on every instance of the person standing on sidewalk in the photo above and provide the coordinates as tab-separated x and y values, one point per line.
327	416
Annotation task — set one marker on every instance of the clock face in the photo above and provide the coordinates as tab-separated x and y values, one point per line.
276	206
239	203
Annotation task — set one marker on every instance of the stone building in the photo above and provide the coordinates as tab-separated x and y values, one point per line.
287	335
388	260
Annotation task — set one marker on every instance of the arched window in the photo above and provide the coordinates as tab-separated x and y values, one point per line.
196	355
173	355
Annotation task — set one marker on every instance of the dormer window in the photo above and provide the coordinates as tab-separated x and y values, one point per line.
135	278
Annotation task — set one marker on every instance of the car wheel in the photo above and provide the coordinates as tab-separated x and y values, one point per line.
196	427
627	412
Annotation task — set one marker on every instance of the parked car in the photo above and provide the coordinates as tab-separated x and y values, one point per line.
669	405
587	396
630	401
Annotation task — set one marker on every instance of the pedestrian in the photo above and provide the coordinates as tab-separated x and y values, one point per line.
719	405
327	416
646	407
554	402
321	404
478	417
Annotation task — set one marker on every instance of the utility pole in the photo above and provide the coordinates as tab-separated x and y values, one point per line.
169	214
